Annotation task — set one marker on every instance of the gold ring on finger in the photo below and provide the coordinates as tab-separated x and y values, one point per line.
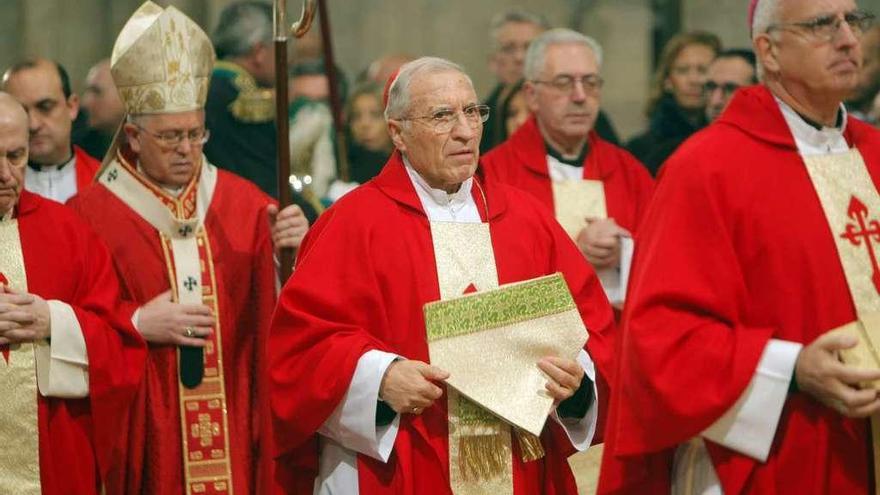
189	331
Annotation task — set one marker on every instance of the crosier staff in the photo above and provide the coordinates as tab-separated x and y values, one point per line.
282	35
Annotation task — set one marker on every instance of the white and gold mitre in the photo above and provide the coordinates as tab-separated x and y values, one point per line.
161	62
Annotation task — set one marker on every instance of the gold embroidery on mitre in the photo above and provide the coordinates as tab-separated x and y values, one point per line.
161	62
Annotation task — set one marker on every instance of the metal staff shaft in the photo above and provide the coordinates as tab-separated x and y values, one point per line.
300	28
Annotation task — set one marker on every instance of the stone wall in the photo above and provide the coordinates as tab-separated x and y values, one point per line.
78	33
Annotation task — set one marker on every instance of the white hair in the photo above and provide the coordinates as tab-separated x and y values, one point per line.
764	17
398	95
766	14
537	54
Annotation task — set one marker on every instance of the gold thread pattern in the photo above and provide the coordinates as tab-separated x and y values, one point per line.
19	432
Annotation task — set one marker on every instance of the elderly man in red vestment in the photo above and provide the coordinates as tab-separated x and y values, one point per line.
193	249
597	190
70	363
57	169
756	270
349	355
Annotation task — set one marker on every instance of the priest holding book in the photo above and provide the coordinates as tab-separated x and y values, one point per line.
351	377
756	273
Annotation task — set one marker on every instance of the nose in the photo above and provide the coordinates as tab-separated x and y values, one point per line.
462	129
185	146
846	37
5	170
578	91
35	122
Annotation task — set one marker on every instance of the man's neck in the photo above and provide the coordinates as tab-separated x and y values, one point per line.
51	162
823	110
568	149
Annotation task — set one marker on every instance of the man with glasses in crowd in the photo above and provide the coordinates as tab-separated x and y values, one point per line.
756	273
731	70
349	360
597	190
193	248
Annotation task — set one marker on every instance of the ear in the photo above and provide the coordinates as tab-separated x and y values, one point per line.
131	136
767	53
73	106
530	91
667	85
395	130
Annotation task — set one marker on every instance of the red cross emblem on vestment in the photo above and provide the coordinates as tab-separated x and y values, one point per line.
864	231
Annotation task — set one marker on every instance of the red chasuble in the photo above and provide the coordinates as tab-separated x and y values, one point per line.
79	439
734	250
245	276
364	272
521	161
86	168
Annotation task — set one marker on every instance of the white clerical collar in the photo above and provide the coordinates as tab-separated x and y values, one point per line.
440	205
811	141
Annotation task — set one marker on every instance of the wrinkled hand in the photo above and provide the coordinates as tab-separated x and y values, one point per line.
288	226
600	242
565	376
407	386
820	373
23	317
161	321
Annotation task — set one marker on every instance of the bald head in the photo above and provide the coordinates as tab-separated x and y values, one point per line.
13	150
13	116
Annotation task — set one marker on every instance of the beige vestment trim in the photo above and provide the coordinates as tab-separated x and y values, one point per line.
19	429
575	200
852	208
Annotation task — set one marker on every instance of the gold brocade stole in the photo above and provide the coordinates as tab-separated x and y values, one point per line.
480	450
575	200
187	251
852	208
19	431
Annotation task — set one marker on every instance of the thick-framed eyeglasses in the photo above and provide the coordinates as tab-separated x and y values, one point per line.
444	119
827	27
172	139
727	88
564	83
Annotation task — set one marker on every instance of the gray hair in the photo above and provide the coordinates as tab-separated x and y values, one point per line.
398	95
537	54
515	16
765	15
241	26
766	12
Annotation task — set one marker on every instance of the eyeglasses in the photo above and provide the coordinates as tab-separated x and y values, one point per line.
827	27
727	88
172	139
564	83
444	119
